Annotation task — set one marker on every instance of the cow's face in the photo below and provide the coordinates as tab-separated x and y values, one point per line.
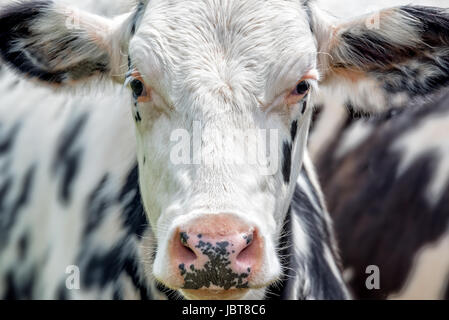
219	98
220	106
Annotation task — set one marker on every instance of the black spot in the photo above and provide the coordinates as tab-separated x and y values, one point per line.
221	247
62	293
19	288
23	246
182	267
67	158
317	109
72	167
287	164
316	197
294	129
10	212
5	187
184	237
139	11
97	204
130	198
249	239
105	267
137	116
7	139
304	107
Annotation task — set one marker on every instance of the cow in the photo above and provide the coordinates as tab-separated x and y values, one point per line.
209	70
110	266
399	220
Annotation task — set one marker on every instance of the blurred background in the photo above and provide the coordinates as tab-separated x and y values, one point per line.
385	215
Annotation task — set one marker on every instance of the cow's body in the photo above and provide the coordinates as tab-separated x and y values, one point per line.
399	220
91	217
96	223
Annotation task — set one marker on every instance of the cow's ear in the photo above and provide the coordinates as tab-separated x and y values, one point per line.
387	57
58	45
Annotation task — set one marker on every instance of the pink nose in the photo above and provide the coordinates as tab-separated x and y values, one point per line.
216	252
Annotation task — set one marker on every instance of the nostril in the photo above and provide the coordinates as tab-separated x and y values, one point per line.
187	254
182	248
245	255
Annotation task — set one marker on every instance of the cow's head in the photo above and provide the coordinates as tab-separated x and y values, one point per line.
219	93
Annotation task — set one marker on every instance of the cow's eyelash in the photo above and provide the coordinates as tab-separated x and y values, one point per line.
282	98
128	78
298	93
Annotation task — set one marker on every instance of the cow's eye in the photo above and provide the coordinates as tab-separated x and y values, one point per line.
140	91
301	88
298	93
137	87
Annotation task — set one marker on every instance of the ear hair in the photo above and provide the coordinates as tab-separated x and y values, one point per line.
385	58
60	45
399	34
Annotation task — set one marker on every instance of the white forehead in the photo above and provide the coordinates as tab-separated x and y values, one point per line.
253	45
